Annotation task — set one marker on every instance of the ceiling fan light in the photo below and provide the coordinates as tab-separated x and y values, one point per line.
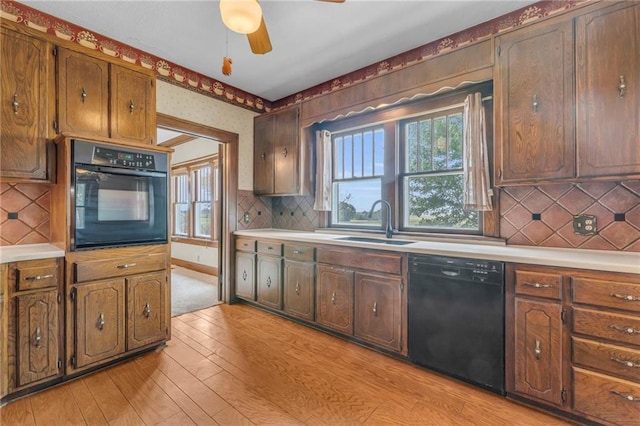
241	16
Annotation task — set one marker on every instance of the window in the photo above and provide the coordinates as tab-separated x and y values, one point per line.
196	199
411	156
433	180
358	168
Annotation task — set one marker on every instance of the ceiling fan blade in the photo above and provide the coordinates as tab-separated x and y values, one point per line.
259	40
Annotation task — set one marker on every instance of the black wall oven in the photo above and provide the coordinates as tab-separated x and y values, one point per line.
120	195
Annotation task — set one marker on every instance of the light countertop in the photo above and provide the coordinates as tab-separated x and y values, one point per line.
600	260
29	252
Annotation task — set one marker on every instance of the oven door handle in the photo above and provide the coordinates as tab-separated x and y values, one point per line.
119	170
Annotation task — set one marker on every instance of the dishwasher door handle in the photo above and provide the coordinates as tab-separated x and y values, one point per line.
449	272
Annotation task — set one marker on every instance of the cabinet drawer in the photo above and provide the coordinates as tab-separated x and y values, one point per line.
245	244
613	359
274	249
616	327
362	259
119	267
36	274
611	294
299	252
539	284
612	400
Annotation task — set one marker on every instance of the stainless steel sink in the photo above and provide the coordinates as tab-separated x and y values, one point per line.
376	240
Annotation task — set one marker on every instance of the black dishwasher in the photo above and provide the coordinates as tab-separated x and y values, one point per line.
456	318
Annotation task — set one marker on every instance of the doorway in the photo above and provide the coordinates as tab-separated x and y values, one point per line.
203	188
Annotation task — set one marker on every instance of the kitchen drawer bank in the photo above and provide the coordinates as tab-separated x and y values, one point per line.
63	319
359	295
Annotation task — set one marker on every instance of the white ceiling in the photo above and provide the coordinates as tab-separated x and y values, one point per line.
313	41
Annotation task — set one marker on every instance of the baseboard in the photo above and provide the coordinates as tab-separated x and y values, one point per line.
211	270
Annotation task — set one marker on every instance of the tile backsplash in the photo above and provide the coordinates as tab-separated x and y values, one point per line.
24	213
543	215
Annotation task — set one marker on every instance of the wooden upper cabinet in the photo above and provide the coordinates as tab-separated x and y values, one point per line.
25	67
277	153
286	158
83	94
133	107
608	91
534	103
263	154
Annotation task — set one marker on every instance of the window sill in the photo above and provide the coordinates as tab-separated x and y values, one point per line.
195	241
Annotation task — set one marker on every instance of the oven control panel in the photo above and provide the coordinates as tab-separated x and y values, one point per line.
115	157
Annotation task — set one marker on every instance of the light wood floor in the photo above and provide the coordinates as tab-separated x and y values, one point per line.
237	365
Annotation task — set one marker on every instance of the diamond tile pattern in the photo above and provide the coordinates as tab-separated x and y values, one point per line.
557	205
32	202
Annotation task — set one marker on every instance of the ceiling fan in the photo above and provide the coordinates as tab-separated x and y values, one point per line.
245	17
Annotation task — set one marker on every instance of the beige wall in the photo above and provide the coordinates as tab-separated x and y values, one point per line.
192	106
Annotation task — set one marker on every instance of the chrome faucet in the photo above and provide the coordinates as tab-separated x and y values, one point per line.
388	230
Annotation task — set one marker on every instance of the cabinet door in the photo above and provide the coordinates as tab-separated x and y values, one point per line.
83	94
24	76
608	98
263	154
286	156
132	106
377	304
38	336
538	350
270	281
146	309
299	289
334	305
99	316
245	278
534	103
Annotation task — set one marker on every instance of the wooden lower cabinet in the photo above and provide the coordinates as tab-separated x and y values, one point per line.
269	282
378	306
146	309
299	289
538	350
38	337
32	337
334	298
245	275
99	321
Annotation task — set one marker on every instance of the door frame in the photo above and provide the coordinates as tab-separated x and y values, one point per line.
229	199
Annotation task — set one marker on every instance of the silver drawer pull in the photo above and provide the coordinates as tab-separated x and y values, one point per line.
375	309
126	265
298	289
333	297
630	364
147	310
627	396
37	338
537	285
627	330
39	277
537	350
626	297
296	251
100	323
